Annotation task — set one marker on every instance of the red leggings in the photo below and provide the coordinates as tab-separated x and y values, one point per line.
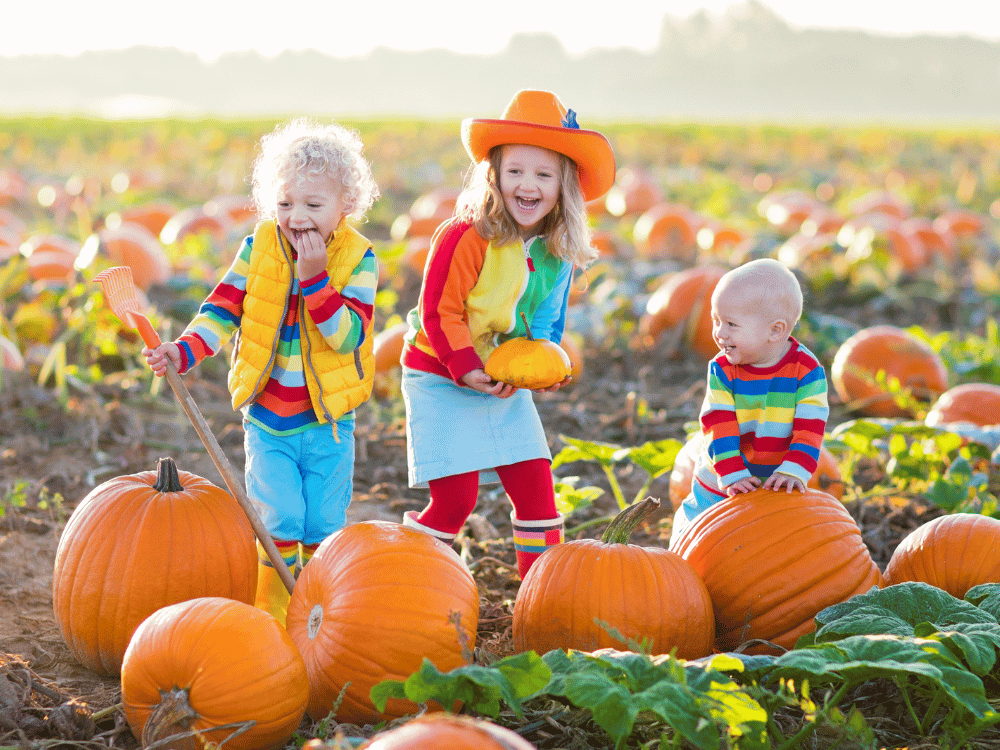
528	484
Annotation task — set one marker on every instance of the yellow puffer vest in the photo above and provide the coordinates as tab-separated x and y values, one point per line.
337	382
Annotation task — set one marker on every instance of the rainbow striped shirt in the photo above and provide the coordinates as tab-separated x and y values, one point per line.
761	420
284	406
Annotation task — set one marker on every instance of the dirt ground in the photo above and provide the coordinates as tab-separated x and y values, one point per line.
49	452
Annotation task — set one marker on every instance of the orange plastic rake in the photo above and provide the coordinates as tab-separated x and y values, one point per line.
119	292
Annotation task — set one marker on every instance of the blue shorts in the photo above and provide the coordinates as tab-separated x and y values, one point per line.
301	484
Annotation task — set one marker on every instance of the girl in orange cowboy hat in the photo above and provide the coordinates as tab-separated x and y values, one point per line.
520	228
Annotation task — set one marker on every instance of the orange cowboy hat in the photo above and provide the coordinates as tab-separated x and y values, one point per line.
538	118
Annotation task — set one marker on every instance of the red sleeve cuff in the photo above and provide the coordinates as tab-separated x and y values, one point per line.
463	362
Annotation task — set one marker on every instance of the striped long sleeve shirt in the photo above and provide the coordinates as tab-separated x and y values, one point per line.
284	406
761	420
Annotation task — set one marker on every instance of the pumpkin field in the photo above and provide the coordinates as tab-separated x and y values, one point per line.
862	613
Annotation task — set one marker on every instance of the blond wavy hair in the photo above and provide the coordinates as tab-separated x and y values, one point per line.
305	148
566	230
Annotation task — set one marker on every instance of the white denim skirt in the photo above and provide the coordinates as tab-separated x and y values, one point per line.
451	429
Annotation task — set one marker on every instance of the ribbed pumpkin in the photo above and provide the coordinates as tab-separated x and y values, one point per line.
978	403
211	662
439	730
684	299
897	353
643	592
772	559
142	541
374	601
528	362
953	552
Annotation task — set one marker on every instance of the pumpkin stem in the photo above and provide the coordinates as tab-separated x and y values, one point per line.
527	327
167	478
622	526
172	715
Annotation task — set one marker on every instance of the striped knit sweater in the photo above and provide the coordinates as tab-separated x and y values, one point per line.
284	407
473	295
761	420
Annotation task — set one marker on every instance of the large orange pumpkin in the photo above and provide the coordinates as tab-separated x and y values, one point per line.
142	541
667	230
51	257
375	600
880	201
439	730
635	190
953	552
194	221
772	559
685	298
387	347
895	352
135	246
935	243
978	403
210	666
646	593
960	222
153	216
787	209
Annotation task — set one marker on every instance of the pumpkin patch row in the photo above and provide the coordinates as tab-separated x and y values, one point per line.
378	598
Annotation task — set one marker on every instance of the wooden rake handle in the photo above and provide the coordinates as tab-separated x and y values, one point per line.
233	482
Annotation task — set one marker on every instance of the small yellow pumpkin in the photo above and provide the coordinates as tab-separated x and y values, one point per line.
528	362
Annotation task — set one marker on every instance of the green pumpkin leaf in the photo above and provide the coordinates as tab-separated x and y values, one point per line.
975	644
584	450
857	659
896	610
697	701
656	457
479	688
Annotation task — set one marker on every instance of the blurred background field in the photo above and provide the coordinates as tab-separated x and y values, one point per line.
891	226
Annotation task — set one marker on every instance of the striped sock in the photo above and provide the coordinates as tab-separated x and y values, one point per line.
532	538
306	552
289	552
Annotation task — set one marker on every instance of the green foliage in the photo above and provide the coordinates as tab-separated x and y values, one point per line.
932	461
972	358
482	689
655	457
939	651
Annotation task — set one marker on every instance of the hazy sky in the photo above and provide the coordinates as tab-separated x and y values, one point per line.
211	27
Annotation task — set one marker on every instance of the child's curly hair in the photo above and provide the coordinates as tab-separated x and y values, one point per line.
303	147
